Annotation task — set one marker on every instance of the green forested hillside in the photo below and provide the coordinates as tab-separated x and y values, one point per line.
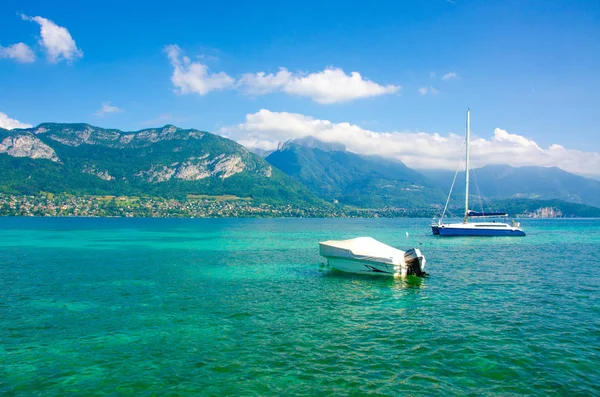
565	209
165	162
372	182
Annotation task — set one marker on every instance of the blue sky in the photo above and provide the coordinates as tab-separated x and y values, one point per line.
528	68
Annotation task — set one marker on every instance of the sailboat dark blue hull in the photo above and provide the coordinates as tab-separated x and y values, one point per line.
467	232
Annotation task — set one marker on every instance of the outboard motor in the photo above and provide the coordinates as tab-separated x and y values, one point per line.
415	262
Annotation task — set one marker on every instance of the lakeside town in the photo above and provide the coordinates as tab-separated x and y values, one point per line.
192	207
199	207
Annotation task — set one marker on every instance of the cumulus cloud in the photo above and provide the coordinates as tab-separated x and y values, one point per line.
331	85
427	90
193	77
8	124
56	40
449	76
107	108
265	129
20	52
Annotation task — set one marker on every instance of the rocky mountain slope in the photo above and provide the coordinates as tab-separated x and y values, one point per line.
166	162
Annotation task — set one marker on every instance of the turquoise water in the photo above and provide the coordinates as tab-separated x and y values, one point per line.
144	307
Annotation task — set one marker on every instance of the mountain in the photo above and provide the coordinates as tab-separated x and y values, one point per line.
333	173
165	162
260	152
504	181
171	162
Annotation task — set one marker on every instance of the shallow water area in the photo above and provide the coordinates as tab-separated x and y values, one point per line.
246	307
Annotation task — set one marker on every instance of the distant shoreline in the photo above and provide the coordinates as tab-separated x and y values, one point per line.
215	207
257	217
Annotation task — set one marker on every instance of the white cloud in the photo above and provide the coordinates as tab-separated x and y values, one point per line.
265	129
331	85
428	90
56	40
193	77
8	124
449	76
504	136
107	108
261	83
19	52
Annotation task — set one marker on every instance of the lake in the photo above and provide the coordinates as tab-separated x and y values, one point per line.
231	307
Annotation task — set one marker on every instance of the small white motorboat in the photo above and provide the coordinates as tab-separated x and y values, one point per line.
365	255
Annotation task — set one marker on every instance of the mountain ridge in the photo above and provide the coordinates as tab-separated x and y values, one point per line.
348	178
166	161
169	161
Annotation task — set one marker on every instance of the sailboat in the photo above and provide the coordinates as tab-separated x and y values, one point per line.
467	228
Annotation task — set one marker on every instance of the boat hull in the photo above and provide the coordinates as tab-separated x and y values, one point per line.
413	264
468	232
361	267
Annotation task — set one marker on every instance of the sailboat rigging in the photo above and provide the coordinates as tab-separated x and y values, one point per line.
474	228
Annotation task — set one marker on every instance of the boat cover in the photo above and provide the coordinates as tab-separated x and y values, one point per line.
483	214
362	248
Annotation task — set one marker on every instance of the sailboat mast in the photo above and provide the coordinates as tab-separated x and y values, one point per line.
467	167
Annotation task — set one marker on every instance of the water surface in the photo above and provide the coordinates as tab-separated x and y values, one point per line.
245	307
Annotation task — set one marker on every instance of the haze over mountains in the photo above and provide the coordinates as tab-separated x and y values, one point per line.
504	181
174	162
